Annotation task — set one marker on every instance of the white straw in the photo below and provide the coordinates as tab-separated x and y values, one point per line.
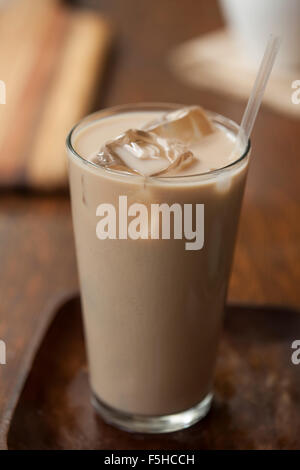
258	89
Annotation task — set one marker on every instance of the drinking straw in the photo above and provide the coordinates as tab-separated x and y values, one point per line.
258	89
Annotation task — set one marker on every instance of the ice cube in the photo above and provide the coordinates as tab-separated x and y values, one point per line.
187	125
143	152
182	162
161	147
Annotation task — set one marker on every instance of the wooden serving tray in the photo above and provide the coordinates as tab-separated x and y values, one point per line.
257	391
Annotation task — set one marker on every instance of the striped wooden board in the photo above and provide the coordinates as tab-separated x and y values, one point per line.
52	57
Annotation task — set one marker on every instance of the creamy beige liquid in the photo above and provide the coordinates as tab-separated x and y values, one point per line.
212	151
153	310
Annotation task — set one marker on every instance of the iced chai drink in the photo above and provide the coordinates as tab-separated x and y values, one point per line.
156	194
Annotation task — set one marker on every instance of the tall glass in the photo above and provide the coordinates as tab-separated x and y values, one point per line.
152	302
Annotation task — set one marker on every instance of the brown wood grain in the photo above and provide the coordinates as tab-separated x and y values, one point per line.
36	243
52	59
22	110
69	97
255	405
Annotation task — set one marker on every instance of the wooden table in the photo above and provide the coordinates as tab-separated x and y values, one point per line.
37	256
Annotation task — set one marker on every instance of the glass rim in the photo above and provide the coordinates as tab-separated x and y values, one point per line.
107	112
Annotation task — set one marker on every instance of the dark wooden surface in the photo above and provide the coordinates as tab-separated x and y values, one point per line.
256	403
36	244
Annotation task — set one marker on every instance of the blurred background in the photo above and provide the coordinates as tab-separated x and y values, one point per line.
61	60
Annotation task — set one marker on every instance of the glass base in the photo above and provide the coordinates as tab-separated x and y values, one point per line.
153	424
